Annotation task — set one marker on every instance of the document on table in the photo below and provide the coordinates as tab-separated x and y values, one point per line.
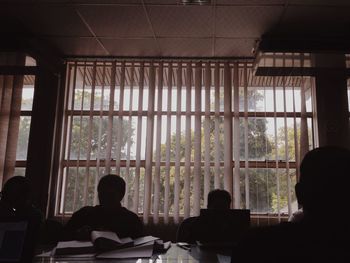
223	258
142	251
143	240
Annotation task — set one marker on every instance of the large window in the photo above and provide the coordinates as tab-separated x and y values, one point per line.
16	99
176	130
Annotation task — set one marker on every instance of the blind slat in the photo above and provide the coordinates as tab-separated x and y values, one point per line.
228	173
197	140
138	141
149	146
158	145
168	145
187	191
207	134
236	140
120	125
178	146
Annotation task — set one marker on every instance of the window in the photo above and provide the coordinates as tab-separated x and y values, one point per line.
16	93
176	130
24	124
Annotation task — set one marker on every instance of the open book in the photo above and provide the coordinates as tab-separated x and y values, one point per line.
100	241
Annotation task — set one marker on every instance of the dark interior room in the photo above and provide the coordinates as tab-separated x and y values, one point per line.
177	98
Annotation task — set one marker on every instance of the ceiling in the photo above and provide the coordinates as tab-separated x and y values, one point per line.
165	28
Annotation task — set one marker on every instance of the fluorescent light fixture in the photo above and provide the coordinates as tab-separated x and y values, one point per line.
195	2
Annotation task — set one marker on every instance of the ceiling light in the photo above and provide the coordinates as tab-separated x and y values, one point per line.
195	2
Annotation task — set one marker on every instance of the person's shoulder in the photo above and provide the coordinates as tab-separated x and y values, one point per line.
86	211
126	212
190	220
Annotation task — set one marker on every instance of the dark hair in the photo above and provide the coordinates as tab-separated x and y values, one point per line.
219	199
324	178
18	184
111	185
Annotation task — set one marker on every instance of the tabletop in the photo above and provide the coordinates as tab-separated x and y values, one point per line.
174	254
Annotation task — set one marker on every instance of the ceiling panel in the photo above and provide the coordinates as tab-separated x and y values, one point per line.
246	21
250	2
319	2
120	21
185	47
315	21
192	21
126	30
50	20
234	47
134	48
78	46
163	2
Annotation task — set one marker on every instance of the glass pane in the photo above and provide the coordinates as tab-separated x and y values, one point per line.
20	171
30	61
23	137
267	137
28	93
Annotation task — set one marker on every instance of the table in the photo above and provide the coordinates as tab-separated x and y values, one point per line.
174	254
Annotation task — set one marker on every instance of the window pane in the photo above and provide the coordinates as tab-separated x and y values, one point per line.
28	93
23	137
20	171
267	138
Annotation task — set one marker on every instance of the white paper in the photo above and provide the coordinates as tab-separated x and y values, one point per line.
142	251
74	243
105	234
167	245
46	254
223	258
143	240
53	252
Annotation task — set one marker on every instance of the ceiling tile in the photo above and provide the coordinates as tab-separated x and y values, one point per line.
194	21
319	2
78	46
250	2
234	47
134	47
185	47
315	21
50	20
246	21
163	2
117	21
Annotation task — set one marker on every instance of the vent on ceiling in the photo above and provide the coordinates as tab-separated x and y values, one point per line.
195	2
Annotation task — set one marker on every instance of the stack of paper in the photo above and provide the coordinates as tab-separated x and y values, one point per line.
108	245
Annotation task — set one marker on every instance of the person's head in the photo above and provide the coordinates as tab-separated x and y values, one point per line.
16	191
219	199
111	190
324	180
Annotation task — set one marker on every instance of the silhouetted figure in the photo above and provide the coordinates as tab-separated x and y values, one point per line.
189	228
15	199
109	215
322	234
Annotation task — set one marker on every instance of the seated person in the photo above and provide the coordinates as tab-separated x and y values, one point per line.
322	234
188	230
108	216
15	199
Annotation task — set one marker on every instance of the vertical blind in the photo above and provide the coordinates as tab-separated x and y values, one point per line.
174	130
10	111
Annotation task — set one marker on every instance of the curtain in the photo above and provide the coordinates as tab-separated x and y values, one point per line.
10	110
174	130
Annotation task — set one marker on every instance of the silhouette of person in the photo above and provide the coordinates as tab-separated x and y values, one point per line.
321	234
109	215
190	229
15	199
